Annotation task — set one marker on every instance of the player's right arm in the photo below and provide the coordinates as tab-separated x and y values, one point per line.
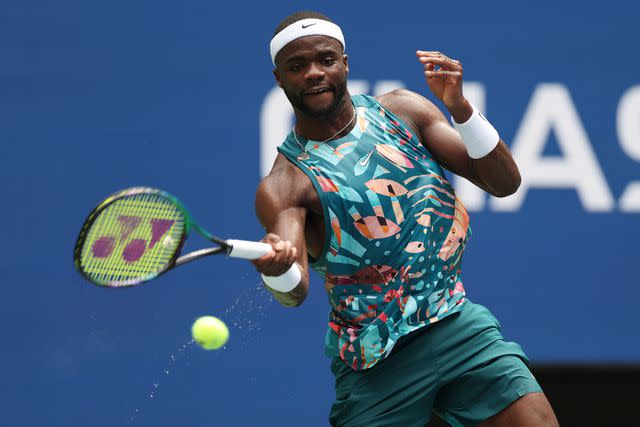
280	208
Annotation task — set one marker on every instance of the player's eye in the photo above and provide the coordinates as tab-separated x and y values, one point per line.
328	61
295	67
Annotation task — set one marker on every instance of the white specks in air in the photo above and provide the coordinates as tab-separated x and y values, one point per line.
156	385
244	315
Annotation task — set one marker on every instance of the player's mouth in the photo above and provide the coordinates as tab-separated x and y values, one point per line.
317	91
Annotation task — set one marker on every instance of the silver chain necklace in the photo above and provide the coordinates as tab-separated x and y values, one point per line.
305	154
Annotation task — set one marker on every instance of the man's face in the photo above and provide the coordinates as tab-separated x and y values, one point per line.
312	71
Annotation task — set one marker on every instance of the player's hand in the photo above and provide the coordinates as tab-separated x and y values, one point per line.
444	77
279	260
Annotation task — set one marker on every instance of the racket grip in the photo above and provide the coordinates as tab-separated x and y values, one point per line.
246	249
252	250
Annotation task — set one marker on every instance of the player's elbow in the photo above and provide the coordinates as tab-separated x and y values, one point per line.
290	301
292	304
508	187
293	298
298	298
508	191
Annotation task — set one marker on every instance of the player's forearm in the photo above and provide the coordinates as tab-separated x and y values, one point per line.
498	171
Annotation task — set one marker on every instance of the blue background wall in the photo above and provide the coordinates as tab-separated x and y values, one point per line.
95	97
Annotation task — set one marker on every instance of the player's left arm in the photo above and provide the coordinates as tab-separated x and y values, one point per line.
495	172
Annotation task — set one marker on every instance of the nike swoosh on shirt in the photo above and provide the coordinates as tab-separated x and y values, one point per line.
308	25
365	161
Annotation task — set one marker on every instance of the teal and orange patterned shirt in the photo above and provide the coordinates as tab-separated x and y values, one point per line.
394	233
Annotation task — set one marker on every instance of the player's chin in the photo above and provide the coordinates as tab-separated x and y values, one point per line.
320	105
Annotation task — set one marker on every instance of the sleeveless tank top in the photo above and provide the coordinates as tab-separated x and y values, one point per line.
394	233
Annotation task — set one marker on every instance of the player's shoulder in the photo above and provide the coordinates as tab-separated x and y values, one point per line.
405	100
283	172
397	94
410	106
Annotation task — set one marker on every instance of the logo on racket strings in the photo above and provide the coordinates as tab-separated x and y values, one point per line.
104	246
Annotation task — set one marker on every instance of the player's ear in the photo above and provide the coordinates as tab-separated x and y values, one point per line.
276	74
345	60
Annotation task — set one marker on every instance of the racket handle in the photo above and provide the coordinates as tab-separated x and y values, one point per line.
252	250
246	249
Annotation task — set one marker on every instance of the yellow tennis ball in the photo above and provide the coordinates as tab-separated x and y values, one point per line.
210	332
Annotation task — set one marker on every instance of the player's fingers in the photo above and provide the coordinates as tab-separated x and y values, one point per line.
264	261
291	255
281	260
441	73
429	67
266	258
289	258
428	76
430	54
276	269
285	253
443	62
279	246
273	268
273	239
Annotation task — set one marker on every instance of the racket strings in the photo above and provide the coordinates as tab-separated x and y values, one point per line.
160	254
124	235
149	262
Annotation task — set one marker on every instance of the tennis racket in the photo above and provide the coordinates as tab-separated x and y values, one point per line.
137	234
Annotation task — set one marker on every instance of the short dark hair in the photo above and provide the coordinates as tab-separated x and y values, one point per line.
297	16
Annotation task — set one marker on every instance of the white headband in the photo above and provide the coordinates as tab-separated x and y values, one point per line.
303	28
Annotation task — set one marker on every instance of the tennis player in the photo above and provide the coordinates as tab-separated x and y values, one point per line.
358	193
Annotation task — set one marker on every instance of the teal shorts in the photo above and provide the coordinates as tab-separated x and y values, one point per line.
459	368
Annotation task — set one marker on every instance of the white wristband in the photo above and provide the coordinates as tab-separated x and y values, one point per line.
478	135
285	282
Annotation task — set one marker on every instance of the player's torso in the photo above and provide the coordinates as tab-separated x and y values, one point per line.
384	228
314	225
377	151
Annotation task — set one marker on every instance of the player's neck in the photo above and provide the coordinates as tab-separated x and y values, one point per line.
333	126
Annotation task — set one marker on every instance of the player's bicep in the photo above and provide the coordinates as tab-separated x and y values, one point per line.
435	132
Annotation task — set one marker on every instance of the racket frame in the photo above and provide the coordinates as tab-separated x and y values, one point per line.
176	259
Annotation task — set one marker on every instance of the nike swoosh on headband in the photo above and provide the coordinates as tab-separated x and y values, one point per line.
303	29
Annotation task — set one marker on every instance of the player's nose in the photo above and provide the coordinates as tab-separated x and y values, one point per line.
314	71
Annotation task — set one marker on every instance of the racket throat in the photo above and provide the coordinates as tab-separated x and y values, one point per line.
199	254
